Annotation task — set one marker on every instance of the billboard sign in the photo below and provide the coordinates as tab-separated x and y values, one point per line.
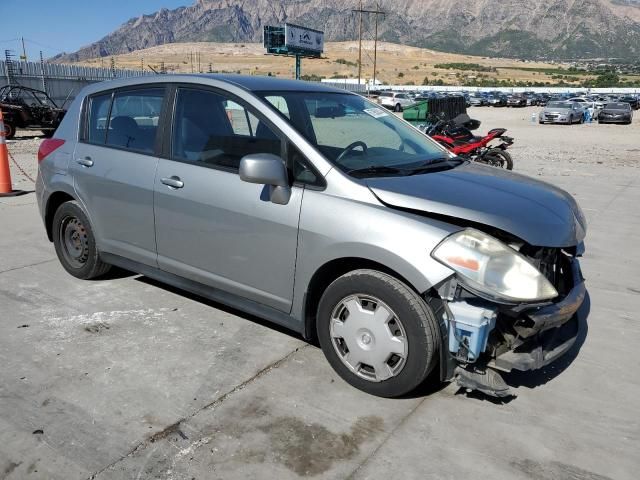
302	38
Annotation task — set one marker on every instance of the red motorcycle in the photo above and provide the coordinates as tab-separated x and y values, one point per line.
456	136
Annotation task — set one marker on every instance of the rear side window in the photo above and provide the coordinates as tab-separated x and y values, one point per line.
98	113
134	119
211	129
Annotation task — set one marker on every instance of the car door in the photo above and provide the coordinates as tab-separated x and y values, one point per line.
211	226
114	168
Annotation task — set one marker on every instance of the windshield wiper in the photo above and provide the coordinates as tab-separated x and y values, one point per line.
437	164
373	171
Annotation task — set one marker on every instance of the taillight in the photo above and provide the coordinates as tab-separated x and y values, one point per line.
47	146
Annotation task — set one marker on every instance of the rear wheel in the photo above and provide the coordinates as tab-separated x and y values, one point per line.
377	333
75	243
497	157
9	130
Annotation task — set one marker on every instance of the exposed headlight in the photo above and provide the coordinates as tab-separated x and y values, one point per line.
488	266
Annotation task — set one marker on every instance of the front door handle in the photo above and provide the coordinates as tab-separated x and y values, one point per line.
85	162
172	182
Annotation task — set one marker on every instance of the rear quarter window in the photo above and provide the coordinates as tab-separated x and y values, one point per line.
98	112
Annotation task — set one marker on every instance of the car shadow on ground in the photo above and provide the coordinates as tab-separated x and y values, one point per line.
432	384
218	306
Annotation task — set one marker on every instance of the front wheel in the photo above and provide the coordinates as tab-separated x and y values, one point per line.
75	243
397	108
377	334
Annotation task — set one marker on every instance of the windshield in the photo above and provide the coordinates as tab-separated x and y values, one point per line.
559	105
618	106
355	134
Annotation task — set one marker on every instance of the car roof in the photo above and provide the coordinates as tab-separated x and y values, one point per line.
252	83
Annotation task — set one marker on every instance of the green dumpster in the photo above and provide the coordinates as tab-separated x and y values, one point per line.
417	113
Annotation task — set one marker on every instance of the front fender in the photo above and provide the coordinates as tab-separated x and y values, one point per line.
334	228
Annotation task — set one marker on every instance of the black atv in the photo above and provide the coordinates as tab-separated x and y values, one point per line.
30	109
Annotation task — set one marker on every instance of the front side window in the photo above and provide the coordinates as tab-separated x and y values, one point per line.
211	129
134	119
355	134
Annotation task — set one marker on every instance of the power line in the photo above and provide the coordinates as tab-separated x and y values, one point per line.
376	12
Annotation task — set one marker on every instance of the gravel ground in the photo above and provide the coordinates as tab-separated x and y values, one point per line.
562	149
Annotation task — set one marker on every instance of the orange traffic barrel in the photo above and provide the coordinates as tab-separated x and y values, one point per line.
6	190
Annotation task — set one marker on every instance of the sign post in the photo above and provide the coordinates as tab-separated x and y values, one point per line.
294	40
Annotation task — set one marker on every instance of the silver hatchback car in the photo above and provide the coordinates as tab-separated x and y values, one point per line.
324	213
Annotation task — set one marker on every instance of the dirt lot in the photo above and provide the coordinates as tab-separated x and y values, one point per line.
127	379
395	62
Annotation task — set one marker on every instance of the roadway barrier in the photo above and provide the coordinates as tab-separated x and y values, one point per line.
6	189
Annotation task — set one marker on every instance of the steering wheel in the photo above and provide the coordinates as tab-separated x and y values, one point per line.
351	147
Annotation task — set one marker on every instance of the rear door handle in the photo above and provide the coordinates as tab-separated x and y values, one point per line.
85	162
172	182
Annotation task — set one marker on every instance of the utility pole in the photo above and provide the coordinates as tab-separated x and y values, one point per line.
360	45
376	12
23	57
44	77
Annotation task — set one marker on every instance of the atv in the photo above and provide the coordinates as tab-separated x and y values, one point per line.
30	109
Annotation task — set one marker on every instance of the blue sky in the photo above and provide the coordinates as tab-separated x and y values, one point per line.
54	26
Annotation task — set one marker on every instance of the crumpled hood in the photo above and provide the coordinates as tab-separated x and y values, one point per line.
536	212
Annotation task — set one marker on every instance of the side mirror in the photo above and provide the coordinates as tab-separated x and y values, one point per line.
267	169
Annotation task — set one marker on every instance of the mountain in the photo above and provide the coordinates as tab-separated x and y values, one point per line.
552	29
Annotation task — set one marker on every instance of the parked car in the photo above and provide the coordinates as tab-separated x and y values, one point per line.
588	105
516	101
631	100
562	112
543	99
395	101
476	100
321	212
29	109
497	101
533	99
619	112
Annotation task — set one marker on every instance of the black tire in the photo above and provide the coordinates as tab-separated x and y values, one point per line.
417	319
48	133
581	121
397	108
498	158
75	244
9	130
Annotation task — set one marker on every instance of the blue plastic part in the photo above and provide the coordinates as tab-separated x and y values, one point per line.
469	329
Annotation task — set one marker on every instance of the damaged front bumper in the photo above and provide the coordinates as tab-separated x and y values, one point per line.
523	338
547	333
